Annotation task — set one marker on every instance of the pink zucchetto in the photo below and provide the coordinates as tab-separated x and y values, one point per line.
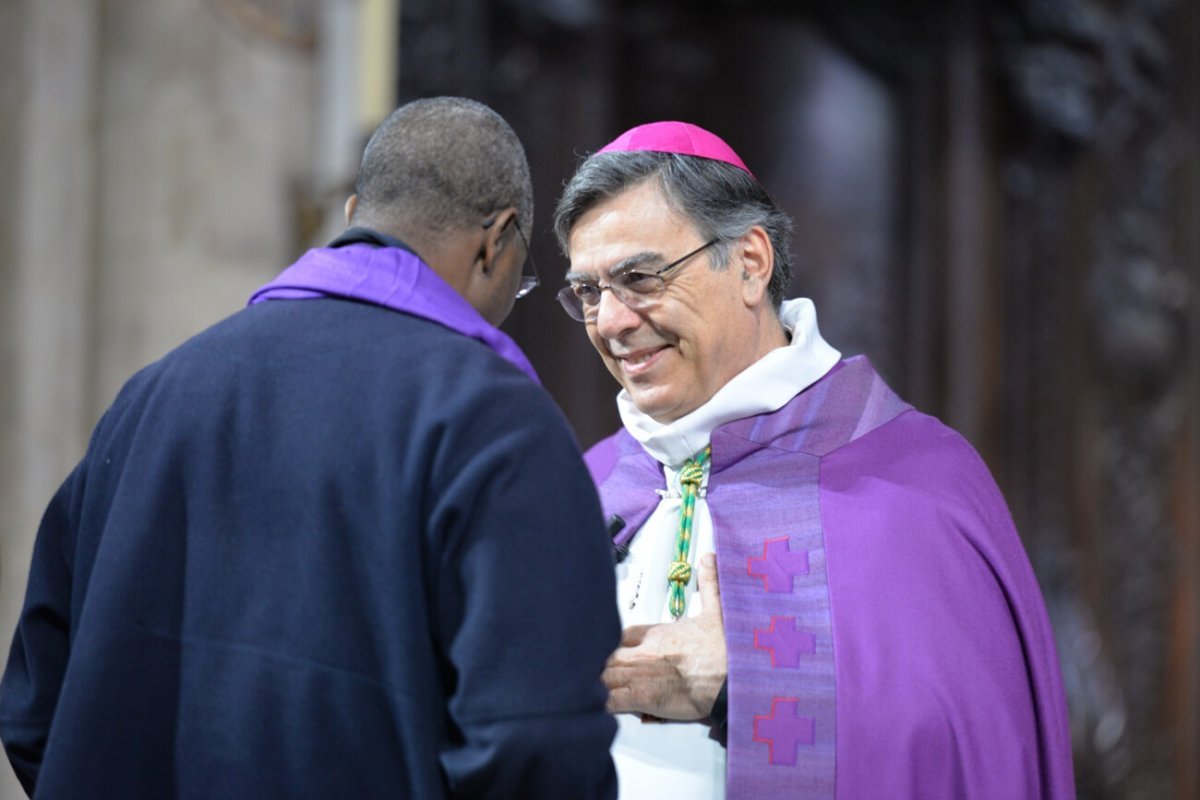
676	137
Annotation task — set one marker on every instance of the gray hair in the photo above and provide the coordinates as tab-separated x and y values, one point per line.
722	201
444	163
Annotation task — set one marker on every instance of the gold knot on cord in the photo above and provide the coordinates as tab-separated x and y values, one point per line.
679	573
692	474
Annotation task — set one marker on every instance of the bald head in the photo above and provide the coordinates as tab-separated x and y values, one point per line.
440	165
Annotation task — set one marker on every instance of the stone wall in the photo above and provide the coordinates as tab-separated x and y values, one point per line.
151	154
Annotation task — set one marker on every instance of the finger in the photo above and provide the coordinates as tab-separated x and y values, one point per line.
613	678
620	701
710	589
633	635
618	672
619	656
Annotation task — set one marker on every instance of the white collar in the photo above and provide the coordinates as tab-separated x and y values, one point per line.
766	385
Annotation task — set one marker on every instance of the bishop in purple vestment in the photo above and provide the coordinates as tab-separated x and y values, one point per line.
872	628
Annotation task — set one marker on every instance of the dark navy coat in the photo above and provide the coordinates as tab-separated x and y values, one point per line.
323	549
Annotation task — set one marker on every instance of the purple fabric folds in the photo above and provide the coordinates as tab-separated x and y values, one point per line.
392	278
886	636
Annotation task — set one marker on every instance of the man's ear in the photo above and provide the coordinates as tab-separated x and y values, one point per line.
754	257
496	238
351	204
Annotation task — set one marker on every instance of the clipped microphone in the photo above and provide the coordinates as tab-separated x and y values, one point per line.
615	526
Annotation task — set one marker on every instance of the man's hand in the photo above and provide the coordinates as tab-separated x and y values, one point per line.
673	670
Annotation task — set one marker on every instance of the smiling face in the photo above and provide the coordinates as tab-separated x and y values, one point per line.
705	328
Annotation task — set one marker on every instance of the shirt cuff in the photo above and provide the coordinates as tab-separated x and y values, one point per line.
719	716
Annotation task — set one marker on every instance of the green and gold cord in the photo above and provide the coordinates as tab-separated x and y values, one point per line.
680	571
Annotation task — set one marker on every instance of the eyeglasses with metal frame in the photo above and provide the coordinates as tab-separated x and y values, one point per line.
637	289
529	280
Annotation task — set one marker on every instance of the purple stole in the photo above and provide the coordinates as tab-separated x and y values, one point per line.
392	278
770	555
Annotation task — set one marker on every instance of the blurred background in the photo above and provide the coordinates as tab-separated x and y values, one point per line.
998	201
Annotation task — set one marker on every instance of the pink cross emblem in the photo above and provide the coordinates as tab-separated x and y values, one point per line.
778	565
783	731
785	643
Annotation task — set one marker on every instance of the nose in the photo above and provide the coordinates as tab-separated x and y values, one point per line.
613	317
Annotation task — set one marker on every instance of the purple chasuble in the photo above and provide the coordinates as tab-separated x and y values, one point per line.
392	278
886	636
